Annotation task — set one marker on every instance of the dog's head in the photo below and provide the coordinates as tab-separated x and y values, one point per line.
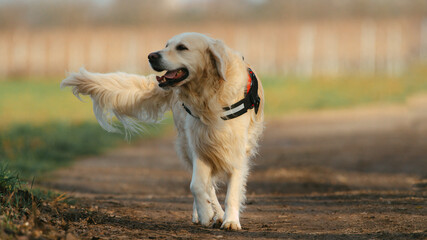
187	57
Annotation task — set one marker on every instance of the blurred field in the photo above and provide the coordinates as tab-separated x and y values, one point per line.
292	94
32	150
43	127
38	102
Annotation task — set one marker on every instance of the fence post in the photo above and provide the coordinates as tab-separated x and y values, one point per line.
57	54
131	58
75	54
19	52
96	50
273	56
330	46
423	40
37	55
306	50
241	41
4	56
368	47
394	50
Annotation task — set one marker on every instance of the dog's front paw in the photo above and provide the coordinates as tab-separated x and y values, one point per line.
231	226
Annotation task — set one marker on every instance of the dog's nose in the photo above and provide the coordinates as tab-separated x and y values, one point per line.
153	56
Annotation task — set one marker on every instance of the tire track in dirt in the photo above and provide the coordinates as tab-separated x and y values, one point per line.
335	174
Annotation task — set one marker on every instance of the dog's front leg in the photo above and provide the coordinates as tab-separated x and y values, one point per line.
200	187
234	199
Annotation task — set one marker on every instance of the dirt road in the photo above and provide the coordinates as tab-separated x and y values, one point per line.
359	174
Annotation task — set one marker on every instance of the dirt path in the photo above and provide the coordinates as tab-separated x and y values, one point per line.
331	175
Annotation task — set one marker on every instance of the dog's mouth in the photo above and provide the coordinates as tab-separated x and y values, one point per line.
172	77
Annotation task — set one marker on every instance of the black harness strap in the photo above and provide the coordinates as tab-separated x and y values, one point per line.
188	111
251	100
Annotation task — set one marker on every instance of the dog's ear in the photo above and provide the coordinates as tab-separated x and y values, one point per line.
218	52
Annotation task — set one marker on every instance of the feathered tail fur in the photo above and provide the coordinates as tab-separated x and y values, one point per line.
129	97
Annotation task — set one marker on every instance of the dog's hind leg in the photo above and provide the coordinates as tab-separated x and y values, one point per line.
195	218
200	187
219	213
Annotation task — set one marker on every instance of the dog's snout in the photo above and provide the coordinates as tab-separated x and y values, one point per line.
153	56
155	59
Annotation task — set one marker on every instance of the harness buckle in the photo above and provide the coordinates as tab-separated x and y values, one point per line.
252	101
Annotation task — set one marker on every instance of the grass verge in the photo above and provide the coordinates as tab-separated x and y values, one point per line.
33	150
18	206
27	213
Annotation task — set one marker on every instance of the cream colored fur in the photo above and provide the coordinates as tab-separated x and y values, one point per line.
126	96
215	149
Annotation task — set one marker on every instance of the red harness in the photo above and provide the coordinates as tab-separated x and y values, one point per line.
248	87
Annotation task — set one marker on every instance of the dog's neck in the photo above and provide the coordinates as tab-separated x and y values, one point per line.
207	96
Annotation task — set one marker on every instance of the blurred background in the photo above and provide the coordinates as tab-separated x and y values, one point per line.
303	38
345	90
310	55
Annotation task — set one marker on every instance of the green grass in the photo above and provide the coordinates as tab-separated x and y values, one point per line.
33	150
39	102
21	205
15	200
36	149
291	94
9	181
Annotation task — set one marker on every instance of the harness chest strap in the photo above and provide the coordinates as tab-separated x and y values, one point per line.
251	100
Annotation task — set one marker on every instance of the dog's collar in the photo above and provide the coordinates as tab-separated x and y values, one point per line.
251	100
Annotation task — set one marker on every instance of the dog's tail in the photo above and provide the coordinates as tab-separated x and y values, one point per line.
129	97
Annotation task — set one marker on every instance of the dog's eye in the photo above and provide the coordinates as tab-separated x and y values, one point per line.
181	47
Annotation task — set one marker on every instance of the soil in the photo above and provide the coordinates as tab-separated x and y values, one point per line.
347	174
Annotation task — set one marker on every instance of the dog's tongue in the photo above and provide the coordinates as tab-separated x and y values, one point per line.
172	74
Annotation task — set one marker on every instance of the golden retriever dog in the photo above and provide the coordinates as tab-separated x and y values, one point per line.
217	104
